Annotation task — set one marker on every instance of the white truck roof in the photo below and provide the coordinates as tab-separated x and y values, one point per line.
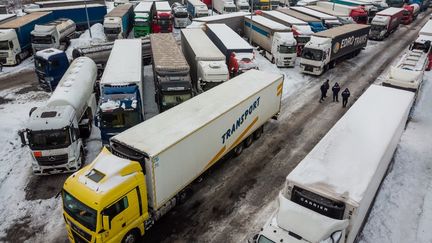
390	11
143	7
345	161
196	3
4	17
426	29
285	17
45	54
328	11
202	45
32	10
219	17
314	13
124	63
166	129
268	23
162	6
228	37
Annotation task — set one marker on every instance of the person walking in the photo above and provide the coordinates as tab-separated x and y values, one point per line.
327	87
323	92
336	89
345	96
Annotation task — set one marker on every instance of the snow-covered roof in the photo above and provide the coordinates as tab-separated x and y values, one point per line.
124	63
4	17
314	13
61	117
284	17
196	3
298	15
221	16
201	44
228	37
32	10
268	23
143	7
328	11
162	6
426	29
340	30
166	129
45	54
344	162
390	11
23	20
119	11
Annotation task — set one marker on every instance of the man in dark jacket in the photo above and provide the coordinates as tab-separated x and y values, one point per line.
327	87
345	96
323	92
336	89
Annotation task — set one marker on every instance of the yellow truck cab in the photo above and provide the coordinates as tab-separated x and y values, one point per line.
106	201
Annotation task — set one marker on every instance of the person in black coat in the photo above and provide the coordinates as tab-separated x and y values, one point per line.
327	87
323	92
336	89
345	96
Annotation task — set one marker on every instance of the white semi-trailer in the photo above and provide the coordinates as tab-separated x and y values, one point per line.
55	132
55	34
224	6
275	39
206	61
408	73
328	195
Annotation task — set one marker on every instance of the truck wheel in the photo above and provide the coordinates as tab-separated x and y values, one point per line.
18	60
131	237
248	141
257	134
273	60
238	149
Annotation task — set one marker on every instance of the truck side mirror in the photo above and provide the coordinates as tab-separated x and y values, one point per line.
105	223
22	134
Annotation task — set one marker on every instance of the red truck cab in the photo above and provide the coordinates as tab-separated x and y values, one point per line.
359	15
410	13
162	18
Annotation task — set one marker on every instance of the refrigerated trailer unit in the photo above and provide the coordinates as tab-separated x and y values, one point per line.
328	195
159	158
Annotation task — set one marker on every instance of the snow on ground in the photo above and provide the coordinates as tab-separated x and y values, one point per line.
98	36
34	220
403	208
27	64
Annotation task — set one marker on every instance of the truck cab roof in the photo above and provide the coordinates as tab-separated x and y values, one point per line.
47	53
104	174
56	117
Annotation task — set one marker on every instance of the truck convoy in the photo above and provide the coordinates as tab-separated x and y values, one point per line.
329	21
300	29
327	48
55	132
224	6
410	13
172	80
162	18
196	9
153	163
15	43
239	54
121	89
55	34
275	39
181	15
315	23
385	22
207	63
142	19
233	20
50	66
76	13
328	195
119	22
408	73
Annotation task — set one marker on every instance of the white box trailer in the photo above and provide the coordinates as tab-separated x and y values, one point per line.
329	20
232	20
330	192
206	128
426	29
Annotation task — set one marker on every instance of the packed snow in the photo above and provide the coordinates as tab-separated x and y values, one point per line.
98	36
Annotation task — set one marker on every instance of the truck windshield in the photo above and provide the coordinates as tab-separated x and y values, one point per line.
312	54
263	239
141	23
4	45
163	22
112	30
302	39
375	27
287	49
202	14
40	64
230	9
79	211
123	119
181	15
49	139
244	7
171	100
42	39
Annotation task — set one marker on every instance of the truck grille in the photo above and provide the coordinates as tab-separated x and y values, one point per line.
80	235
52	160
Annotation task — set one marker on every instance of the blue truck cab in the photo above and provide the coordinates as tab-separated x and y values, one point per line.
424	4
120	108
50	65
317	26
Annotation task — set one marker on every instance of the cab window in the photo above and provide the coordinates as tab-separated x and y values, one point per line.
116	208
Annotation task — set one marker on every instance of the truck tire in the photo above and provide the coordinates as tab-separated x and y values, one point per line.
18	60
131	237
257	134
248	141
238	149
